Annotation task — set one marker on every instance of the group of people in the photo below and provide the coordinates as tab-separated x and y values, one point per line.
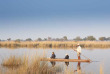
78	50
53	56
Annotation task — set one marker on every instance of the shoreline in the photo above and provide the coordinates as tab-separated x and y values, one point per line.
55	44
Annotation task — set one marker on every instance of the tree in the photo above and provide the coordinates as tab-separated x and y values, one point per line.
45	39
84	39
49	38
102	38
28	39
78	38
39	39
65	38
91	38
57	39
9	39
17	40
61	39
108	39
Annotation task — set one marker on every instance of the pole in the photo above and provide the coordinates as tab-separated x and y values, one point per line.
84	56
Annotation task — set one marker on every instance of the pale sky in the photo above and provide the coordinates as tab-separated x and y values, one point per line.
46	18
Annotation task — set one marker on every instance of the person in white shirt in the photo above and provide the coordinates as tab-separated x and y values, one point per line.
78	51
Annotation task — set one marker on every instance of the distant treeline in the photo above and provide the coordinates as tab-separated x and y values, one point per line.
65	38
55	44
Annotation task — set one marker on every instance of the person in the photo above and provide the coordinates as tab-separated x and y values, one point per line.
78	51
53	55
67	56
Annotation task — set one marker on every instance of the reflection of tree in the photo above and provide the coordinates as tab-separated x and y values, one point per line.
53	63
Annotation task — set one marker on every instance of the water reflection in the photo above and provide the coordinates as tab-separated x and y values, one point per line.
53	63
67	63
78	68
96	55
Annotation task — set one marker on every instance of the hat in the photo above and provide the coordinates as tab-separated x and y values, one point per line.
78	44
66	54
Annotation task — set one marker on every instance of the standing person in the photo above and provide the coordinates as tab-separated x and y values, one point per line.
53	55
78	51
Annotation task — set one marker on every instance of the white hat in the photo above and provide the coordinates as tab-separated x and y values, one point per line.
78	44
66	54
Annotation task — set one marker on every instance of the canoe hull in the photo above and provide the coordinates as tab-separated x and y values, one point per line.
66	60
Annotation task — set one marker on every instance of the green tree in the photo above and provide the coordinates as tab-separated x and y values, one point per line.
84	39
91	38
49	38
108	39
17	40
9	39
78	38
65	38
45	39
39	39
102	38
28	39
57	39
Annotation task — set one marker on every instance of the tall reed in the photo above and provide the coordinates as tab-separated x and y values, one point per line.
23	66
55	44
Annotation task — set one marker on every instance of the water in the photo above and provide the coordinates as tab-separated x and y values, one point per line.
100	57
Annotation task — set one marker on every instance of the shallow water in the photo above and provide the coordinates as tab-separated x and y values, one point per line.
100	57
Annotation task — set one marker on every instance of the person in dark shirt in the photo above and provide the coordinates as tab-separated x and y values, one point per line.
53	55
67	56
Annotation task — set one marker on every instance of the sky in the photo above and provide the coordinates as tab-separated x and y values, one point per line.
21	19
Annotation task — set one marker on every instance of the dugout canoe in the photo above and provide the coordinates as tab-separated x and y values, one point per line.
66	60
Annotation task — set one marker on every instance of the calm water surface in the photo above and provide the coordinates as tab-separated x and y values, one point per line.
100	57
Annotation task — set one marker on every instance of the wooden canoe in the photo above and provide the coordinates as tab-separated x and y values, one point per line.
65	60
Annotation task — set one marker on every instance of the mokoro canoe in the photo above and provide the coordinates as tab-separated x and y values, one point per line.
65	60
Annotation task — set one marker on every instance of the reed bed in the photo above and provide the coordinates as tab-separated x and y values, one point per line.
21	65
55	44
13	62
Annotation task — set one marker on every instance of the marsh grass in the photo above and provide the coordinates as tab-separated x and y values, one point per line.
14	62
55	44
21	65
